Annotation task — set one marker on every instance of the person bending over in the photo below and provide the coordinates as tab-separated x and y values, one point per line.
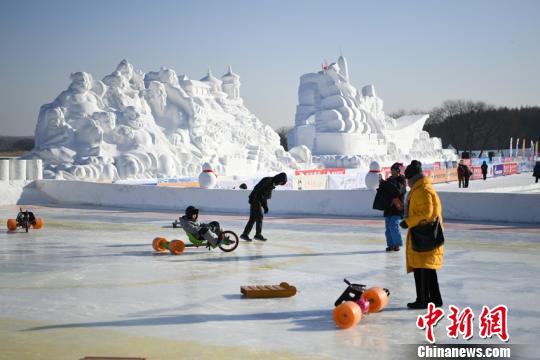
258	201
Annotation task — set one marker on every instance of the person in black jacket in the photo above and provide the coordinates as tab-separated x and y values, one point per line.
536	171
466	175
484	168
396	187
258	200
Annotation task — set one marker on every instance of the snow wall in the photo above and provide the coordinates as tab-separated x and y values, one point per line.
350	203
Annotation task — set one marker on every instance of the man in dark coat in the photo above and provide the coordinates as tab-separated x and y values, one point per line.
484	168
536	171
258	200
460	174
466	175
393	213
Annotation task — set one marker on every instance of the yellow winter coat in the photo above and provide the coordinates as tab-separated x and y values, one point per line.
423	205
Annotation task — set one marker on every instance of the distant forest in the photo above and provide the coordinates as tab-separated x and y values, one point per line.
469	126
16	144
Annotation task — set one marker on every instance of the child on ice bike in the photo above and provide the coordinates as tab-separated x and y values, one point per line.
209	232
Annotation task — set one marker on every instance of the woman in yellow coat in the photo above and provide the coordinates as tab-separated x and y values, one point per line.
423	205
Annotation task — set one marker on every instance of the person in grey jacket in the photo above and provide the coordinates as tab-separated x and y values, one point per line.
208	232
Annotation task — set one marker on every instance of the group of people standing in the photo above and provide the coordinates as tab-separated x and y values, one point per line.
422	205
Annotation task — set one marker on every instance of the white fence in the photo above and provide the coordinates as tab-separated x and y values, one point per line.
351	203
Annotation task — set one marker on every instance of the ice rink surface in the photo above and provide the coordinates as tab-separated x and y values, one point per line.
89	283
523	183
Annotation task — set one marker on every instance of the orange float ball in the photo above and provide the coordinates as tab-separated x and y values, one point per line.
347	314
12	224
177	247
158	243
39	223
377	298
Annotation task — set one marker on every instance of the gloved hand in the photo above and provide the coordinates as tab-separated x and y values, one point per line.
265	210
403	224
203	230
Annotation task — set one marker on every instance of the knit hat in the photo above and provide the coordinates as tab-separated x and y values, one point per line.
414	168
190	210
280	179
396	166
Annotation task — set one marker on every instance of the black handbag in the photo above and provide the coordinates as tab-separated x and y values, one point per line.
427	236
384	196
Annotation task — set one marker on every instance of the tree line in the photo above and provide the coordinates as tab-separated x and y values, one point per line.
468	125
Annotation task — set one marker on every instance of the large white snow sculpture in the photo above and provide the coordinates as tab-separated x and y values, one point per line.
158	124
345	127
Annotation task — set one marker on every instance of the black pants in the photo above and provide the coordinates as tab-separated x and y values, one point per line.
461	181
466	182
256	216
427	286
537	179
484	175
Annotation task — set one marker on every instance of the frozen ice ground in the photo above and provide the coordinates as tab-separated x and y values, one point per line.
89	283
518	183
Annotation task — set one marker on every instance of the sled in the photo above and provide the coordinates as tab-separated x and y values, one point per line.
268	291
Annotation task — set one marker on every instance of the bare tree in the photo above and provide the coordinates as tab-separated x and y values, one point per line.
451	108
282	132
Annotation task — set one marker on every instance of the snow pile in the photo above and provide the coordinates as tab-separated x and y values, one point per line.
344	127
133	125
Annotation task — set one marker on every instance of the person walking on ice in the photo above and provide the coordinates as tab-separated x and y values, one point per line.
484	168
258	201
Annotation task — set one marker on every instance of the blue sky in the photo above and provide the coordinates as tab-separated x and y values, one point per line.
416	53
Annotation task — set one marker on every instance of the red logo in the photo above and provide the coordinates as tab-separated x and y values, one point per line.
493	322
429	321
461	322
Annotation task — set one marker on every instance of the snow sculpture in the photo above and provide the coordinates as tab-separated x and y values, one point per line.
207	178
158	124
345	127
373	176
301	154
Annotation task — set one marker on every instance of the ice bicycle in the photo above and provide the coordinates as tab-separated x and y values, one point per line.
228	240
26	220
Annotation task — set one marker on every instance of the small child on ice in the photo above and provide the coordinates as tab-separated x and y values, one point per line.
207	232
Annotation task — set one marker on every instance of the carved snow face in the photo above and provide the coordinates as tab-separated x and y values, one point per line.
106	120
125	69
156	94
80	82
168	76
54	118
115	80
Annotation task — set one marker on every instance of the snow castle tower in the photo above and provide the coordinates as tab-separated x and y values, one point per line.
344	127
231	84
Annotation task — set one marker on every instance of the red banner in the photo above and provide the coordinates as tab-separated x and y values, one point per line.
439	176
477	172
510	168
320	171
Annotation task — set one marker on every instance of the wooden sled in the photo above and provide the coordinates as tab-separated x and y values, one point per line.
268	291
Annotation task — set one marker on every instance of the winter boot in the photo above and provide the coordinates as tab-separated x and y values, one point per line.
420	283
245	237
